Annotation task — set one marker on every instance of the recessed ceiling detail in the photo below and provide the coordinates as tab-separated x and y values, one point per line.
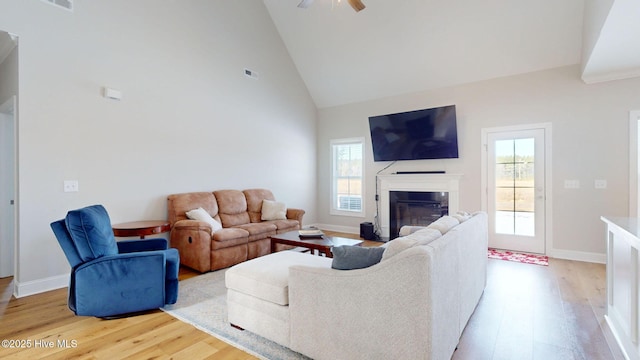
357	5
65	4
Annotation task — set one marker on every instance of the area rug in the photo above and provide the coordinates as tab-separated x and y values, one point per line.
202	302
518	257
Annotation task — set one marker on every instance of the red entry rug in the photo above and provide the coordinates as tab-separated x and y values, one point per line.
518	257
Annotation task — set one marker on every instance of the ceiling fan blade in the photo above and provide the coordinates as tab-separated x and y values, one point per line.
357	5
305	4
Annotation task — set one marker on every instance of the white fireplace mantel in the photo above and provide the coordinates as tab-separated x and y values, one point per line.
449	183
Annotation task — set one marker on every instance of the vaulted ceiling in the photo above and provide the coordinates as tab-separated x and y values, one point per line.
397	47
404	46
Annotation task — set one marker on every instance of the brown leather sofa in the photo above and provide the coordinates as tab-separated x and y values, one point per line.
244	235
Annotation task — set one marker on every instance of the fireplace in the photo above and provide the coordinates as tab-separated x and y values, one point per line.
415	208
425	208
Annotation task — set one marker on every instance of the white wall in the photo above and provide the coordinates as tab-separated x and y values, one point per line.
189	119
595	15
590	141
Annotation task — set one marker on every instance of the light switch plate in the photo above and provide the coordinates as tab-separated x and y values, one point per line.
71	186
601	184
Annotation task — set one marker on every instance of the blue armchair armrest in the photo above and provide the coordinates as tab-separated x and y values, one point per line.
172	261
129	246
119	284
173	271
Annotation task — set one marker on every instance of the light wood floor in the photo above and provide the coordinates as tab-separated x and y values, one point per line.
526	312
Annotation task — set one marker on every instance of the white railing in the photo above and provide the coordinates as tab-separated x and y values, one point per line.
623	300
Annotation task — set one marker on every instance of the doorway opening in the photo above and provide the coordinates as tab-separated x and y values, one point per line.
516	175
7	188
8	153
634	163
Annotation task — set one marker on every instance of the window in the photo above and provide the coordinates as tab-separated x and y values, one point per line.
347	165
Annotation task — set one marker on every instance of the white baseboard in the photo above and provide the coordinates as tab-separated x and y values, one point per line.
22	289
344	229
578	256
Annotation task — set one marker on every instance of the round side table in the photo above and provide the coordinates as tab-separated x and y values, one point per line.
141	228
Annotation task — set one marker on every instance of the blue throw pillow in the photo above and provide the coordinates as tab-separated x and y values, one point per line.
90	229
355	257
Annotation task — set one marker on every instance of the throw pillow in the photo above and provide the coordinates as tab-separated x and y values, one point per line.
355	257
462	216
273	210
202	215
420	237
426	236
409	229
444	224
398	245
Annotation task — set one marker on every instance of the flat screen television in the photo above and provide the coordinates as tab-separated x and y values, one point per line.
414	135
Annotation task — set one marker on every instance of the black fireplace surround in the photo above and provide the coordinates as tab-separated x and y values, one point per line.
415	208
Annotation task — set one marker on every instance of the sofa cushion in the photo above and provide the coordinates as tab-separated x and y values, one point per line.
267	277
273	210
202	215
179	204
409	229
232	207
444	224
254	198
284	225
91	232
258	230
231	234
355	257
420	237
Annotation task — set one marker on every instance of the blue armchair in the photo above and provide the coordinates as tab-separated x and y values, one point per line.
109	278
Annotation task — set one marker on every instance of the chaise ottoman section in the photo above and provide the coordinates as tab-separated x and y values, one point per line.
258	293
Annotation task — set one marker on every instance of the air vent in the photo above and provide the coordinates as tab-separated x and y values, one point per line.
65	4
250	73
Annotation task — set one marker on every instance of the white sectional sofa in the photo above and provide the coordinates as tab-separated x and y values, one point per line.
413	304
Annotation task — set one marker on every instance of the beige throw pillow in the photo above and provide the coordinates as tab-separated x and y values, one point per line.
421	237
202	215
444	224
462	216
273	210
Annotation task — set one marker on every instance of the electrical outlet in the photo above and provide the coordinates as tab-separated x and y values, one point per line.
572	184
601	184
71	186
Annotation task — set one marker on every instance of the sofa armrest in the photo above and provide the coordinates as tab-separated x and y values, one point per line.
295	214
193	239
172	264
191	225
389	298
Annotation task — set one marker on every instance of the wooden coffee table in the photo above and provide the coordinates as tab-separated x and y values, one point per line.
322	244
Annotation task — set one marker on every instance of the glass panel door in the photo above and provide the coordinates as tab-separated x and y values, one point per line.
516	190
